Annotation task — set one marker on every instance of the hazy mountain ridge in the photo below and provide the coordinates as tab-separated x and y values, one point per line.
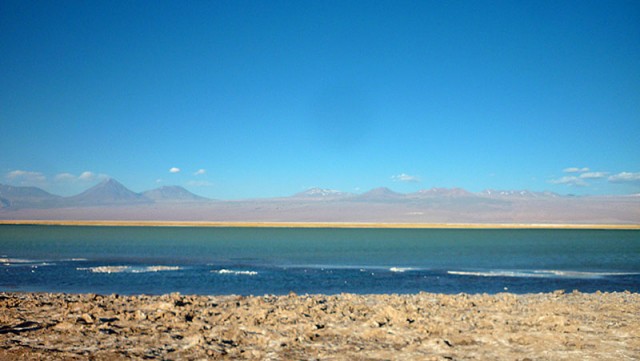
106	193
172	194
382	194
321	194
518	193
110	191
443	192
17	196
111	200
18	192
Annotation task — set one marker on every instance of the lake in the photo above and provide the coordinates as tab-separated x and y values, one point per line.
256	261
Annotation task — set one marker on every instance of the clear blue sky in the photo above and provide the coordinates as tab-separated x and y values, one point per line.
268	98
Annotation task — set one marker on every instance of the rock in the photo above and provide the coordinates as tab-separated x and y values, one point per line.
108	319
86	319
192	341
107	330
139	315
21	327
63	326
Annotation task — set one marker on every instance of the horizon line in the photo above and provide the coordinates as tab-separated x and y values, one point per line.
337	225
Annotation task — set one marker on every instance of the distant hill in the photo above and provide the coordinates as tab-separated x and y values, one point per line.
4	203
107	192
27	197
380	194
172	194
321	194
443	192
517	194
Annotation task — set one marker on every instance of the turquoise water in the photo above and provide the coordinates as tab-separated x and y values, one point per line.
276	261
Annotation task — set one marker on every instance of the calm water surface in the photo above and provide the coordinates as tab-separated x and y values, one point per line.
202	260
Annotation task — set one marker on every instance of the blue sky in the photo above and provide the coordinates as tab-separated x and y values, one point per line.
243	99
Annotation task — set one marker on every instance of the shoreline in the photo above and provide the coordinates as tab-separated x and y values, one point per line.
423	326
345	225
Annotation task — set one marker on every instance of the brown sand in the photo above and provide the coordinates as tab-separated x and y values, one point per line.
554	326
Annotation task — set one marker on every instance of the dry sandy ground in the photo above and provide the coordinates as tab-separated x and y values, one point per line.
555	326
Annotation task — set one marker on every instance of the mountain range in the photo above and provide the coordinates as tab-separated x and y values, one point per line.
110	200
109	192
386	194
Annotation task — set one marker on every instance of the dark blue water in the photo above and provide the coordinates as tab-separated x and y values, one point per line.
193	260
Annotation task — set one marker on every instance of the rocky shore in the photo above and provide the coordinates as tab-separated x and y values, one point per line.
554	326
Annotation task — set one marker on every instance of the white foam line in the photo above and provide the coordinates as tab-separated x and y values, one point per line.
236	273
104	269
539	274
400	269
128	269
9	260
156	269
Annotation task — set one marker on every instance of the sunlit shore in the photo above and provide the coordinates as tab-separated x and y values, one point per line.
423	326
125	223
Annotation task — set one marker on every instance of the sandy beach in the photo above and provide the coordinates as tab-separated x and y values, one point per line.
424	326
